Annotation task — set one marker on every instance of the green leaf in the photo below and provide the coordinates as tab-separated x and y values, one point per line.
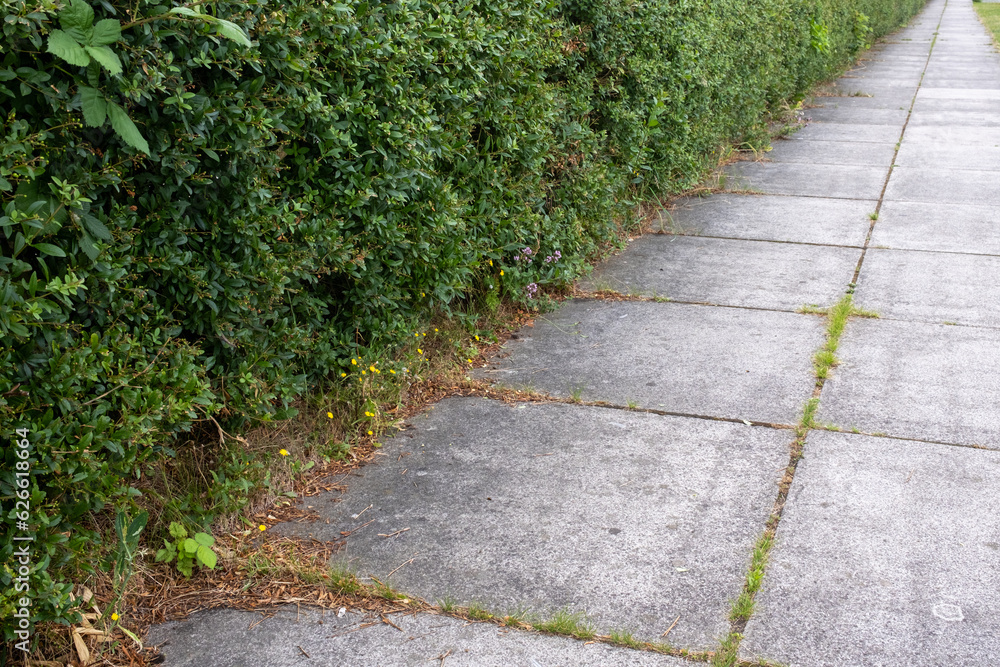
88	247
95	227
95	108
206	557
108	58
231	31
126	129
190	546
177	530
107	31
204	539
78	14
49	249
225	28
65	47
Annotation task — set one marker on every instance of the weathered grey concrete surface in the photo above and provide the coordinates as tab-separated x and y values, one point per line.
914	380
771	218
847	115
943	186
931	287
950	156
723	362
818	180
884	556
879	134
831	152
632	518
944	227
296	637
762	274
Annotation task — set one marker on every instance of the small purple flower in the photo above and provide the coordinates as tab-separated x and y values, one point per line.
553	258
532	290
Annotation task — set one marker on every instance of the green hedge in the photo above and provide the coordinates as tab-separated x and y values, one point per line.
199	224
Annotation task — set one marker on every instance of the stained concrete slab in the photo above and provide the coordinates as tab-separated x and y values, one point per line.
815	180
830	114
771	218
931	286
915	380
952	118
841	102
722	362
949	156
761	274
943	186
927	92
632	518
932	226
301	636
879	134
831	152
961	134
883	557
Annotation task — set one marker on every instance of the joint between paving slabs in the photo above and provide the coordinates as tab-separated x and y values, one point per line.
909	112
824	360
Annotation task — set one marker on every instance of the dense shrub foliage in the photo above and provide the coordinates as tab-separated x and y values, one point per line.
204	207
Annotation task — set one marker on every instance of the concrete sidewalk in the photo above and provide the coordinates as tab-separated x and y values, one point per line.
638	497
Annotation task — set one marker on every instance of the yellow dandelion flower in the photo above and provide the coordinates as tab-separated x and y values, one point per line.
114	617
284	452
354	362
491	262
363	372
343	375
416	335
392	371
469	360
377	371
422	294
371	368
477	337
263	527
330	415
419	351
501	272
435	331
370	433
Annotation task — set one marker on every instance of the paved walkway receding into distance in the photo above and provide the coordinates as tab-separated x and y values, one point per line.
637	497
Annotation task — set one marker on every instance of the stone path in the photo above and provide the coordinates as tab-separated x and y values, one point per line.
643	511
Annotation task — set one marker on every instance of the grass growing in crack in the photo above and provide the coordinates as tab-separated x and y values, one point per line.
624	638
811	309
744	605
727	655
563	622
576	394
478	612
447	605
632	405
826	357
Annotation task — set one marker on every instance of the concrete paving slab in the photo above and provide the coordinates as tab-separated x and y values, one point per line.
761	274
229	638
949	156
831	114
832	152
935	105
943	186
945	81
815	180
931	287
771	218
859	102
933	226
888	553
633	518
879	134
962	134
702	360
953	118
929	92
915	380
